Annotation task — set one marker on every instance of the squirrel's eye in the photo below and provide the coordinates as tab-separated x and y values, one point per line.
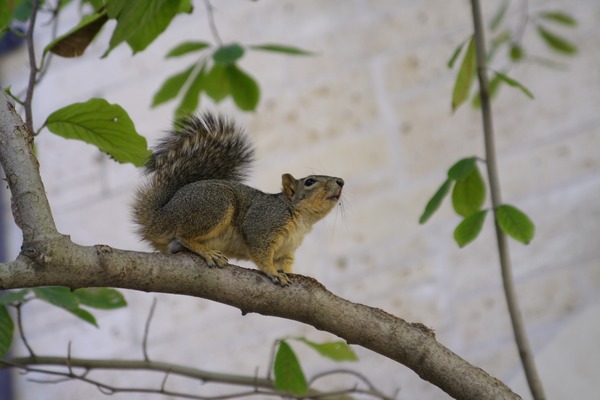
310	182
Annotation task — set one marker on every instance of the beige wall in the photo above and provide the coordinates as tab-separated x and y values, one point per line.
374	108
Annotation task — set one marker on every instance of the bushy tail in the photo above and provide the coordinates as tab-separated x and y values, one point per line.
200	148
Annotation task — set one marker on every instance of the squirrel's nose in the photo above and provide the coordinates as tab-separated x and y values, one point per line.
340	182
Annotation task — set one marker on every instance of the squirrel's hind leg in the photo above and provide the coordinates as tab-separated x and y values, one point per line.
213	258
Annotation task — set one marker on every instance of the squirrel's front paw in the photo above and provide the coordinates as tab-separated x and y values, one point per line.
280	278
214	258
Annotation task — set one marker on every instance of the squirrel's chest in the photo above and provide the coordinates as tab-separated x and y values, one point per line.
291	237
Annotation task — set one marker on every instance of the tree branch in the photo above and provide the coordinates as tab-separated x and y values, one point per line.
60	262
48	258
30	204
173	369
535	384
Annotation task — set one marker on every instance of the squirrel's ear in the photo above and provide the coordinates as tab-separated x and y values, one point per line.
288	185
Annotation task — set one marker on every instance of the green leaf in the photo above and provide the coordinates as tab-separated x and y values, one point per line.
469	228
468	194
336	351
556	42
5	14
171	87
186	7
559	17
191	97
456	53
434	203
228	54
95	4
462	168
515	223
278	48
106	126
516	52
244	89
23	10
288	372
186	47
7	329
84	315
499	15
513	83
216	84
139	22
59	296
74	42
101	298
465	76
13	296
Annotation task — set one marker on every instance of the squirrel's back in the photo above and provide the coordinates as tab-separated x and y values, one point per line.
199	148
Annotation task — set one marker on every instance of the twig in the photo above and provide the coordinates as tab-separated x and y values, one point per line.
32	67
372	390
147	329
211	22
21	331
272	360
110	389
533	379
356	374
45	64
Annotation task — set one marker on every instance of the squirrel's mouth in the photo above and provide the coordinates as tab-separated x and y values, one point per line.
335	197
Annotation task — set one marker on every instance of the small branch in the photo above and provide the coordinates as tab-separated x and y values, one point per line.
211	22
117	364
147	330
261	387
525	352
372	390
45	64
22	331
32	66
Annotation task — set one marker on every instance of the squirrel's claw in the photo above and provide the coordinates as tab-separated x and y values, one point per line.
280	278
214	258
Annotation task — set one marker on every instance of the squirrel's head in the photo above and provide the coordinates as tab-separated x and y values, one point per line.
314	195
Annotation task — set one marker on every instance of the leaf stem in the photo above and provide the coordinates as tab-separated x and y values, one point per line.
211	22
22	332
520	335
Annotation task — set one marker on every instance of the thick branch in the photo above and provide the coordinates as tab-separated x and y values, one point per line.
305	301
30	204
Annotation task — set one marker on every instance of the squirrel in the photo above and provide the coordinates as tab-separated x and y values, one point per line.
194	199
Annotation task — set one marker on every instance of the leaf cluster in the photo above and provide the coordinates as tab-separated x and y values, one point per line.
512	43
217	74
75	302
468	198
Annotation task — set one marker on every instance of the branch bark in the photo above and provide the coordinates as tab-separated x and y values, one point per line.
48	258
